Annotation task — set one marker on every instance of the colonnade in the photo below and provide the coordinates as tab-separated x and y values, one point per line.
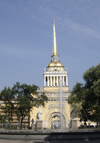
55	80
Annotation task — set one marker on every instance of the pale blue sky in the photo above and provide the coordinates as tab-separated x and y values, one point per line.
26	38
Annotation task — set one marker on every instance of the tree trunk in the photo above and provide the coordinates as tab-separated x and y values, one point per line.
85	124
21	123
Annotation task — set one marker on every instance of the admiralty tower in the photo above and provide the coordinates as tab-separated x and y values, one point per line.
55	78
55	69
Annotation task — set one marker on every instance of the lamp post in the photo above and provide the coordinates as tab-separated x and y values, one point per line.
32	123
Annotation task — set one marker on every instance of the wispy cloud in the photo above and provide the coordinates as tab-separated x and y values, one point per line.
70	15
79	29
75	16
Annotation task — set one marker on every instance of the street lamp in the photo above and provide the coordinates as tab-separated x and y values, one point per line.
32	123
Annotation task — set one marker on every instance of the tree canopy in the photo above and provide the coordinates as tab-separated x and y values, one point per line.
20	100
86	97
6	96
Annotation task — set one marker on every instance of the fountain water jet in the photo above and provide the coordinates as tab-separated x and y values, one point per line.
61	102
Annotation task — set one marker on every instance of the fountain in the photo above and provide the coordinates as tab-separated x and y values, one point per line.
60	102
59	120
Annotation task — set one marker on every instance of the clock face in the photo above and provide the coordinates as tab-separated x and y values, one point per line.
55	64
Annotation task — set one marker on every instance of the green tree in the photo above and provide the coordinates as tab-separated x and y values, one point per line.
2	118
87	95
77	99
26	98
92	92
7	106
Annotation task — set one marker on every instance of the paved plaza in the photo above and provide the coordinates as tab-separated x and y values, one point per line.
26	141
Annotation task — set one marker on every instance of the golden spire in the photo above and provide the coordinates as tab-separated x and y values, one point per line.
54	52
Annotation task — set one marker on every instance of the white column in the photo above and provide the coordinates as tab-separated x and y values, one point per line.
48	80
57	80
54	80
60	81
66	80
51	80
63	80
44	81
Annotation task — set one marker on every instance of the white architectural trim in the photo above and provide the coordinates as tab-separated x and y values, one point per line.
51	80
57	80
48	80
44	80
54	80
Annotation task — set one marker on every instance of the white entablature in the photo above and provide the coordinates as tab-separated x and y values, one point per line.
53	78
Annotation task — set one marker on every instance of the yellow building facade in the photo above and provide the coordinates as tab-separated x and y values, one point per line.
57	109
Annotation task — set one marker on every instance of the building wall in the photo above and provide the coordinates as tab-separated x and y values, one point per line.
51	109
26	121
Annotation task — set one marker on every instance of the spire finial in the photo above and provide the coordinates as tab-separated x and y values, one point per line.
54	52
